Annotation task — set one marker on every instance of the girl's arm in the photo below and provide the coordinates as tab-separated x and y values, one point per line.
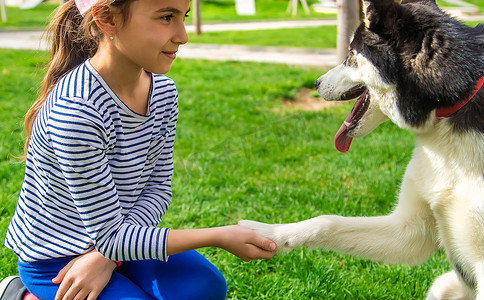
240	241
87	275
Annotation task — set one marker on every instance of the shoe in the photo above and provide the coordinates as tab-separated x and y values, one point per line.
11	288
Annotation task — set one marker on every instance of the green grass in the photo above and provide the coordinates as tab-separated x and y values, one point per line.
478	3
35	18
212	11
240	154
217	11
310	37
19	79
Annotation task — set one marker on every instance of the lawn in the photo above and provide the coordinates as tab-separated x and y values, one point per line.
241	154
212	11
309	37
216	11
478	3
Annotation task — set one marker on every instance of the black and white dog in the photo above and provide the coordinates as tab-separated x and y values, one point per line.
423	70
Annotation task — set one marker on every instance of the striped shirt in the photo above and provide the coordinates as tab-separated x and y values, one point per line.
97	174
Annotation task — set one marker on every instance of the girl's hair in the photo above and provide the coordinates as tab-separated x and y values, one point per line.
74	38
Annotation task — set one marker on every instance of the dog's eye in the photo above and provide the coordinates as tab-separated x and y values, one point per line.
350	60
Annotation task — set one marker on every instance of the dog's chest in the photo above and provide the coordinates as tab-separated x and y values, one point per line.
449	169
451	181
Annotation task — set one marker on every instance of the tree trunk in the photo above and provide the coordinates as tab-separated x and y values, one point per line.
3	11
348	21
196	17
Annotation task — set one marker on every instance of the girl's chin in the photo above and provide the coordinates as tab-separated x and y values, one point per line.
161	69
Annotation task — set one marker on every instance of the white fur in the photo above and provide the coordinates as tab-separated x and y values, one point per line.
439	205
447	286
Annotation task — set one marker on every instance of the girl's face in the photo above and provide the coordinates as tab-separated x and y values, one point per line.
152	34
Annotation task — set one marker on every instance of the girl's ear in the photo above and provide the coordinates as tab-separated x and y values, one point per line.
104	18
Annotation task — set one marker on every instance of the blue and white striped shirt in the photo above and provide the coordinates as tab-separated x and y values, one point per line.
97	174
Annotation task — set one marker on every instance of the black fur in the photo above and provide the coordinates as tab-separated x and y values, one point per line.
434	60
469	280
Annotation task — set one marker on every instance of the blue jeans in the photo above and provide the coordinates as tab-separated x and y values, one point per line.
185	276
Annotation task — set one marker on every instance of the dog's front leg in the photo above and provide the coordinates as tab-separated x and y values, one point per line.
408	235
385	238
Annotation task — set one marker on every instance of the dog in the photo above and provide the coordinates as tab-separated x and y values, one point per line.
413	64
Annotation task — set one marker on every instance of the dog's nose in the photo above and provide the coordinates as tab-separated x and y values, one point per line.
316	84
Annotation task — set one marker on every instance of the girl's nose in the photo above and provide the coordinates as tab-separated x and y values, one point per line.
181	36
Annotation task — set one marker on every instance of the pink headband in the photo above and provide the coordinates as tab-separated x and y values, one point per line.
84	5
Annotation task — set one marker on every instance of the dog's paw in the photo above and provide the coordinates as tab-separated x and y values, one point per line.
447	286
278	233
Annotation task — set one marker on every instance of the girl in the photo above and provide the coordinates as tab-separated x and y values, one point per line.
99	164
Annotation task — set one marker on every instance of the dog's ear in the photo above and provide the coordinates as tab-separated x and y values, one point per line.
378	12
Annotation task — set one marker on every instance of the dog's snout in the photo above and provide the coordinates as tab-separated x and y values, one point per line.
316	84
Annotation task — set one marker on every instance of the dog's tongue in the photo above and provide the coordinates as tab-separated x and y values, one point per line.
342	141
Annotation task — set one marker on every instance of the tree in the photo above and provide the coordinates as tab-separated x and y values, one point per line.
3	11
196	17
348	21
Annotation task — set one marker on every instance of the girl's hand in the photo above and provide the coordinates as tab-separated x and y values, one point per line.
246	243
240	241
84	277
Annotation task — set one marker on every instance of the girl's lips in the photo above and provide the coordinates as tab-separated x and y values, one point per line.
170	54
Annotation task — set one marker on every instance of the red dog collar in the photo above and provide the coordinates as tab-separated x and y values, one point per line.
445	112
